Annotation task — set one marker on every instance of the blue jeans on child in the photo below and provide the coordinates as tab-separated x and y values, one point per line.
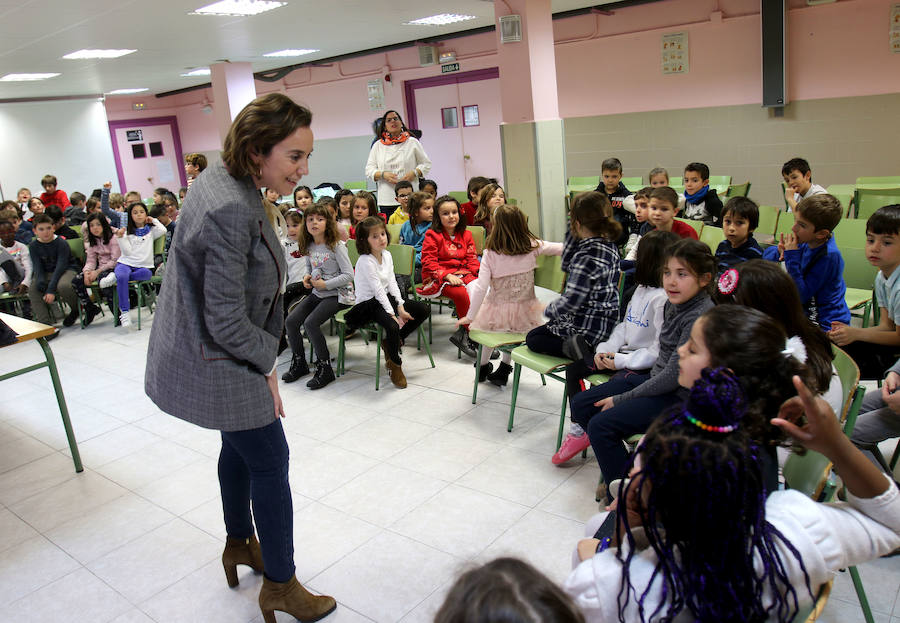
124	274
253	465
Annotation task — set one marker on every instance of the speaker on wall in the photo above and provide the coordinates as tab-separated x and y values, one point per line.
774	52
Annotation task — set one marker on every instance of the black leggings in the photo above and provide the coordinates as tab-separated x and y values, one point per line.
372	311
83	295
542	340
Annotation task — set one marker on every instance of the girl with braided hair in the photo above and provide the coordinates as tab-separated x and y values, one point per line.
699	537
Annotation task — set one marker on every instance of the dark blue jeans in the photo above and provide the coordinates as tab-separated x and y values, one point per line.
608	429
253	465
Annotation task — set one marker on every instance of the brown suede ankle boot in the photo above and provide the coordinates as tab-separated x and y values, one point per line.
292	598
397	376
241	552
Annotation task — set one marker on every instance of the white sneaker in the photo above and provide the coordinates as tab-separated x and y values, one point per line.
109	280
125	319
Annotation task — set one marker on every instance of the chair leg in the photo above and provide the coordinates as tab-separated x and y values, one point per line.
895	457
477	372
861	594
543	381
517	372
377	357
421	335
340	359
562	420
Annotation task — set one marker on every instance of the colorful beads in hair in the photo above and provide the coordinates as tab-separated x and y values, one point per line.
716	403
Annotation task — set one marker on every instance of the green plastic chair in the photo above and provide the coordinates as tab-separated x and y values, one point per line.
145	290
76	227
501	341
697	225
633	183
460	195
511	201
76	248
404	258
850	233
868	200
785	223
768	221
477	232
712	236
738	190
859	276
591	181
720	180
851	391
888	180
393	232
844	194
353	252
356	185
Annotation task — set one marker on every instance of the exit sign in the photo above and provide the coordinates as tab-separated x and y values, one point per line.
449	67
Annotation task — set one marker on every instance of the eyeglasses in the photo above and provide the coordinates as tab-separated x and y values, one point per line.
390	119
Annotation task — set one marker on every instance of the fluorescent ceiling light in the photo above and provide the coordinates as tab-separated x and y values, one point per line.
238	7
439	20
200	71
127	91
290	53
82	54
25	77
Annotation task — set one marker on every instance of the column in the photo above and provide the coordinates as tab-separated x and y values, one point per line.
531	134
233	88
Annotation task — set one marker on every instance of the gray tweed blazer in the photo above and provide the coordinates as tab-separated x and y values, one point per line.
219	317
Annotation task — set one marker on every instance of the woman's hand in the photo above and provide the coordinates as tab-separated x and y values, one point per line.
390	178
272	382
409	177
605	403
454	280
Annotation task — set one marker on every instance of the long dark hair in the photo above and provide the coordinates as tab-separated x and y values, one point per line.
651	257
765	286
131	206
107	230
700	497
331	232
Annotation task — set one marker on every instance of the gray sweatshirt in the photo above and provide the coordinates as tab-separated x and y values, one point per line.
332	265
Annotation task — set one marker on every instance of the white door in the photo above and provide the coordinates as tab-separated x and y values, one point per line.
149	161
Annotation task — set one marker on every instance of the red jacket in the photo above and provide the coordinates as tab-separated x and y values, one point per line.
684	230
468	210
57	198
442	255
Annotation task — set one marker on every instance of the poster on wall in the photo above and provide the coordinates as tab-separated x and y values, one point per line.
675	53
895	28
375	90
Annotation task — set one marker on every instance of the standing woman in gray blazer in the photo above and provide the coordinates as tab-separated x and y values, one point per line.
211	358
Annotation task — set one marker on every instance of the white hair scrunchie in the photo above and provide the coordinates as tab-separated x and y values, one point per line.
794	347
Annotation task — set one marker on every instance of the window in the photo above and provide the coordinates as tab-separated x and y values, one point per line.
470	115
138	150
449	118
156	149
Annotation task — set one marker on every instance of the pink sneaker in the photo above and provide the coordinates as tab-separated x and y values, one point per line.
571	446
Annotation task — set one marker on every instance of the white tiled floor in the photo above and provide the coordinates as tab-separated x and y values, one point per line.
395	492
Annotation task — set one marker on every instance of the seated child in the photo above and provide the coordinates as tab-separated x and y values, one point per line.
490	198
17	250
638	204
10	275
160	213
76	214
24	230
875	348
813	260
473	190
662	211
136	261
428	186
798	182
879	417
403	190
658	177
612	187
22	198
740	217
111	206
589	306
332	205
344	199
52	196
102	253
364	206
701	203
59	223
91	205
421	215
54	268
302	198
35	207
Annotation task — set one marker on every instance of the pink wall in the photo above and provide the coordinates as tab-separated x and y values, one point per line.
604	65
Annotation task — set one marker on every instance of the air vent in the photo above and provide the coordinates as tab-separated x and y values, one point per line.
510	28
427	55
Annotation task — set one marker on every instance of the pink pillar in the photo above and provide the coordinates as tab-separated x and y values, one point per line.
233	88
528	67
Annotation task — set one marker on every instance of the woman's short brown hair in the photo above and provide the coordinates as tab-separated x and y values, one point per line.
262	124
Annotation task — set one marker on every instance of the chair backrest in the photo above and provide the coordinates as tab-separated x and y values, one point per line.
848	373
785	223
404	257
159	245
477	232
697	225
712	236
356	185
809	474
394	232
738	190
768	220
76	227
843	193
858	273
512	201
460	195
887	180
591	180
352	251
720	180
633	183
850	233
76	247
549	273
868	200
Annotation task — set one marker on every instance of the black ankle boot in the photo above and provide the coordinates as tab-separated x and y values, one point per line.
484	371
90	313
324	375
298	369
461	340
501	375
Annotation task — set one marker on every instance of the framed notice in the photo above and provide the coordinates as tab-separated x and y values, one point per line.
375	92
675	53
895	28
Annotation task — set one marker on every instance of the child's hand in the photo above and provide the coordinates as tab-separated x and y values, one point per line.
6	287
605	403
22	289
821	431
781	249
318	284
107	184
790	242
49	298
454	280
120	232
463	320
307	282
404	315
891	383
605	361
789	195
841	334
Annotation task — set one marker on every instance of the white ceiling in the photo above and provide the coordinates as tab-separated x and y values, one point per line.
35	34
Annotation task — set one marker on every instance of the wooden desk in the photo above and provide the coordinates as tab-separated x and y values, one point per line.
30	330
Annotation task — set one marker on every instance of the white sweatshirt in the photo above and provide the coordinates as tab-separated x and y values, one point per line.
635	340
137	251
374	280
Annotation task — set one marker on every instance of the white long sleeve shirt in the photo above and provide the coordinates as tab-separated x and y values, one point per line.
374	280
635	340
20	254
137	251
400	159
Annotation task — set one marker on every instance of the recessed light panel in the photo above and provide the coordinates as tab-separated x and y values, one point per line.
127	91
82	54
200	71
238	7
440	20
26	77
290	53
